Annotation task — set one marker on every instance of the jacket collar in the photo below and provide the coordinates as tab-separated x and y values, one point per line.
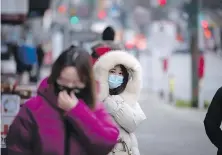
46	91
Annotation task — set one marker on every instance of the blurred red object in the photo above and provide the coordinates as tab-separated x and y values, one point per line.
129	45
5	130
204	24
162	2
99	51
62	9
102	14
165	64
201	66
48	58
179	38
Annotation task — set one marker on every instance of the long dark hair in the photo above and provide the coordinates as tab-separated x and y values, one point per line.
80	59
120	89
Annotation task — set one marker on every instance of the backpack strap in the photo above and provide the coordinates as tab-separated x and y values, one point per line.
126	148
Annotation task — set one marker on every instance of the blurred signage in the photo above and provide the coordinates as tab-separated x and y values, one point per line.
10	105
13	19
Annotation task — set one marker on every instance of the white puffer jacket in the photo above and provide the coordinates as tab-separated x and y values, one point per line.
124	108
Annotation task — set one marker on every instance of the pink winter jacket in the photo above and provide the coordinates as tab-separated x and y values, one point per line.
40	128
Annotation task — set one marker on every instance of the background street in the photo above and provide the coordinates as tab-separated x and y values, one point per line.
169	130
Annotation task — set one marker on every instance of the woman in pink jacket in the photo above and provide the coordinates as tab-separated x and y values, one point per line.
64	118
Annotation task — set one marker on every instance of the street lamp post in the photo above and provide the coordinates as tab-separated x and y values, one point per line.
193	11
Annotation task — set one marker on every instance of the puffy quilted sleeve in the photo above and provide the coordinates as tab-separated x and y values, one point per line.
128	117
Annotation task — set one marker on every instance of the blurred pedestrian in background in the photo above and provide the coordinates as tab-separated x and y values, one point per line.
64	118
119	75
40	57
213	119
106	44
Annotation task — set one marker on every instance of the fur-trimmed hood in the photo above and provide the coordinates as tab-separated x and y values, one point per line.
110	60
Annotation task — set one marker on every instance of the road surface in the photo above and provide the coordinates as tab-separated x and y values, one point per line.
171	131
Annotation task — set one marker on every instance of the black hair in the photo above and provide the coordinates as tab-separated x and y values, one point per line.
80	59
108	34
120	89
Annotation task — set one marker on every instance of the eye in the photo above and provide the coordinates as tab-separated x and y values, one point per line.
112	71
120	73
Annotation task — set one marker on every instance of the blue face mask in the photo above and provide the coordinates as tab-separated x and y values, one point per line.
115	81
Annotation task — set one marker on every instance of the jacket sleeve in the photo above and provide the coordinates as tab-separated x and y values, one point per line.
128	117
213	120
19	139
95	129
135	146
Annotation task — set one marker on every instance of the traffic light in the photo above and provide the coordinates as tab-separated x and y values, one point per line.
74	20
101	14
204	24
206	30
62	9
162	2
207	33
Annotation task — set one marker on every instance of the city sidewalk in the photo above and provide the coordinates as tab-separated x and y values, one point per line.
169	130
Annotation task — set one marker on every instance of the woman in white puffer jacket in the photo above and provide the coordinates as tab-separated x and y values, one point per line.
119	77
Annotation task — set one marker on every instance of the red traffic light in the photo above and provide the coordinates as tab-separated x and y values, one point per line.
162	2
205	24
62	9
101	14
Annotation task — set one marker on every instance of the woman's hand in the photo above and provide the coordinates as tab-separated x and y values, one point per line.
66	101
112	103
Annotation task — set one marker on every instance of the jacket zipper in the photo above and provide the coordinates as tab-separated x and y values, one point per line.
67	138
67	133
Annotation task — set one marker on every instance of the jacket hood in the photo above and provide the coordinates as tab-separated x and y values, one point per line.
107	43
99	51
110	60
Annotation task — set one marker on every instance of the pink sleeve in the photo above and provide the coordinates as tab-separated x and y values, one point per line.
19	136
96	129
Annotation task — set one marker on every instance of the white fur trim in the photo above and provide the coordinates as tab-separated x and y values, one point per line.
110	60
